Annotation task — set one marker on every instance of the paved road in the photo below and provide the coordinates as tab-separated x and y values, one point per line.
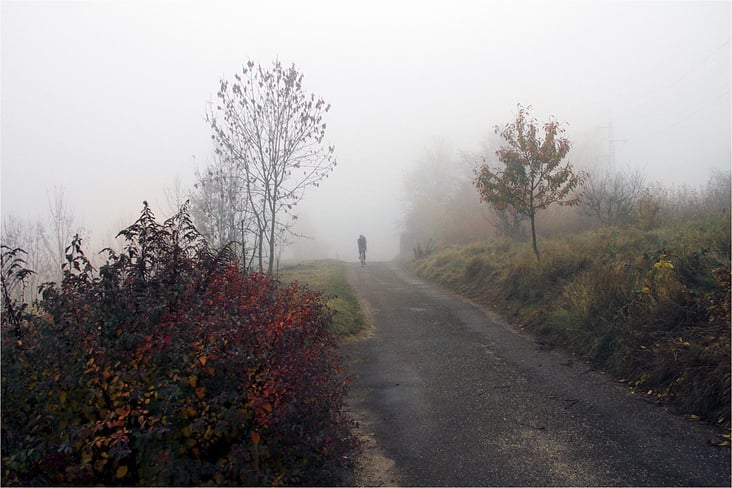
455	397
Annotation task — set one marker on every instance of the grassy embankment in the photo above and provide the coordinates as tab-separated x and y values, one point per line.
329	276
650	307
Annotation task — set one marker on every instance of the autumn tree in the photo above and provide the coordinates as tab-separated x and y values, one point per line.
273	131
506	222
533	176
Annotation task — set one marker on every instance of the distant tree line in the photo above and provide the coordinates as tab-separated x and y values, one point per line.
43	241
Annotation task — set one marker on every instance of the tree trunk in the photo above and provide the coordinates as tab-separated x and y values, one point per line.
532	215
271	243
259	244
533	238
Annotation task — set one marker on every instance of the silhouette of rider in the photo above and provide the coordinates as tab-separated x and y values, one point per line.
361	248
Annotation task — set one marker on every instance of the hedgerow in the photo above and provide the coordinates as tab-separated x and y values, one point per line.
169	366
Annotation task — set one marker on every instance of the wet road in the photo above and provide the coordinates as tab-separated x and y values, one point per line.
453	396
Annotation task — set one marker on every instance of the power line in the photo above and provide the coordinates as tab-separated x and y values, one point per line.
685	74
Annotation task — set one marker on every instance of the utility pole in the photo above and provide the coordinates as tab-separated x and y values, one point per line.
611	144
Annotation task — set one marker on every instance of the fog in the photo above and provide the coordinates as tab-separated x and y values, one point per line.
107	99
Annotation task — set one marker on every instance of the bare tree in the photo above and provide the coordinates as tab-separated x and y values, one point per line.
44	244
612	197
60	231
718	193
30	237
220	207
176	196
265	123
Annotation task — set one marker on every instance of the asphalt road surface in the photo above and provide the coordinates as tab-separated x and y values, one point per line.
451	395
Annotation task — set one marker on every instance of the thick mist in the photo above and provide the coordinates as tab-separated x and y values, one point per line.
107	99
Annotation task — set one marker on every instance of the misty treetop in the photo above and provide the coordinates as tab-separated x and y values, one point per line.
269	137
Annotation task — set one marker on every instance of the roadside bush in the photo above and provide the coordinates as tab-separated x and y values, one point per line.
474	268
171	367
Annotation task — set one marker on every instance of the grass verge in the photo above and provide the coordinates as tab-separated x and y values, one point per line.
650	307
329	277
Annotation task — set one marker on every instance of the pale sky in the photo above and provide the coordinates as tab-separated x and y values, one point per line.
107	98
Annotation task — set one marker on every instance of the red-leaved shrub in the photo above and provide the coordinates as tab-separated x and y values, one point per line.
170	366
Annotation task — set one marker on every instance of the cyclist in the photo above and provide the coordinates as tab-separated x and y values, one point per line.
362	249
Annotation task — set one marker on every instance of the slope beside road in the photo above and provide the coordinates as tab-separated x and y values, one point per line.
448	394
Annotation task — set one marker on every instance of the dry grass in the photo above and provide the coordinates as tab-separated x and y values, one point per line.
644	305
329	277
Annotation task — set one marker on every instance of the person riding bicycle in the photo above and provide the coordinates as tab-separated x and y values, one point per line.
361	249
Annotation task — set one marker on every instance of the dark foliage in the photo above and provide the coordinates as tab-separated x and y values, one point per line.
169	367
